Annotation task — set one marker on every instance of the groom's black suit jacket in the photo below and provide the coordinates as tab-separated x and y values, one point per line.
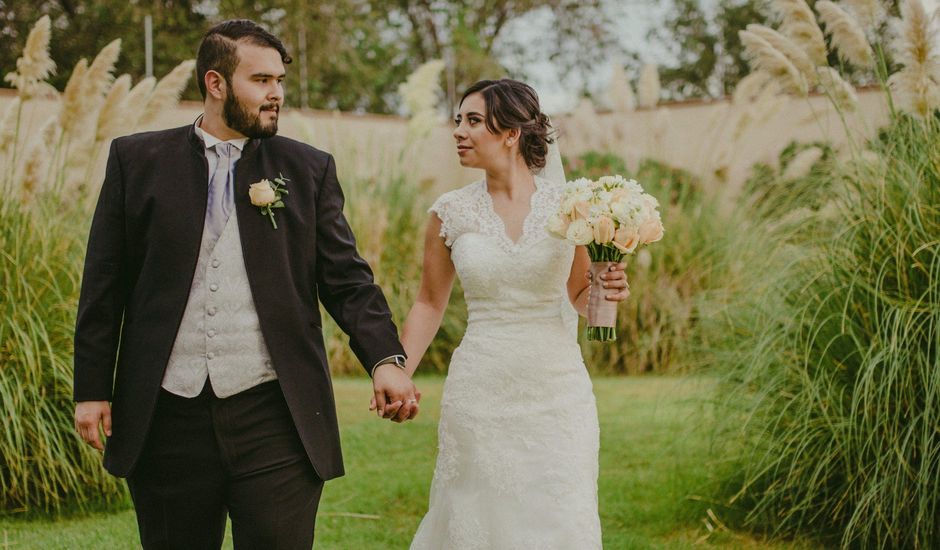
142	251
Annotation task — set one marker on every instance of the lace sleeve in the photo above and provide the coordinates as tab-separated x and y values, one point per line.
442	207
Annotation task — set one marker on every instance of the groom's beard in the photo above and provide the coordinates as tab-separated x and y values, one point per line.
242	120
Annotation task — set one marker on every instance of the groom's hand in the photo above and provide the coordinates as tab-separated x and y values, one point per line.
89	415
396	397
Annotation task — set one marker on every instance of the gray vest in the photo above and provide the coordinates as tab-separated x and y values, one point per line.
220	335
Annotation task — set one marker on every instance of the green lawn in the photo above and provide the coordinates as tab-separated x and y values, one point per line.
653	471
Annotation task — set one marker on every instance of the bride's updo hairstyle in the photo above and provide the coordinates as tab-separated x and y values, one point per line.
513	104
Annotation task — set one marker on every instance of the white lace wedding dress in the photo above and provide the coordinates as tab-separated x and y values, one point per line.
518	435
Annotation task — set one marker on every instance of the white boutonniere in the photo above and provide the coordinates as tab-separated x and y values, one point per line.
266	195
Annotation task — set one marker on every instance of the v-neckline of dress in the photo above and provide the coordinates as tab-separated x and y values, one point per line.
500	224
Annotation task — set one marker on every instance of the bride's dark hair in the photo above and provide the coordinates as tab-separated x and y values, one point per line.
513	104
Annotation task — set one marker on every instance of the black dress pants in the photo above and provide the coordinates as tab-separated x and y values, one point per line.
207	457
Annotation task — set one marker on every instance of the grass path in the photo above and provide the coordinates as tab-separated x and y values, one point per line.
653	468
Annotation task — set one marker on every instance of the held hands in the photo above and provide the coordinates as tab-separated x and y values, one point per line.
396	396
615	279
89	415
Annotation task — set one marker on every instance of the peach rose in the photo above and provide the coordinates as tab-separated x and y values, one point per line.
651	231
603	230
626	239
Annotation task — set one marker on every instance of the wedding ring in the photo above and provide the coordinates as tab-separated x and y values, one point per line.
412	400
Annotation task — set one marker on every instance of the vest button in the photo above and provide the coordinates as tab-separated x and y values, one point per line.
212	310
213	287
216	263
211	333
210	355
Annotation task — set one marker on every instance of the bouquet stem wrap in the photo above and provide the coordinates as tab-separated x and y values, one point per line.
601	313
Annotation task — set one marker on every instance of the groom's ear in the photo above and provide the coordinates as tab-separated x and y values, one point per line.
215	84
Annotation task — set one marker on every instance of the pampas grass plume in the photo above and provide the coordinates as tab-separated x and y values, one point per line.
868	13
35	164
915	88
136	99
802	163
787	47
583	123
8	124
35	65
620	92
167	91
764	57
419	92
799	24
842	93
848	37
112	119
750	87
72	109
649	88
99	77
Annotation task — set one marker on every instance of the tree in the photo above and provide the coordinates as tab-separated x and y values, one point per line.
689	29
710	54
708	50
81	28
470	36
348	54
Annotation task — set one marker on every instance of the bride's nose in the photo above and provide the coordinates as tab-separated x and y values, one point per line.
459	134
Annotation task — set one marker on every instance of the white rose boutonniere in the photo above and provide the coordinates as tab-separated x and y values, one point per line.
266	195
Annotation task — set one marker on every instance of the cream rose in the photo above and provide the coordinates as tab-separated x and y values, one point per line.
626	239
603	230
262	193
558	226
580	232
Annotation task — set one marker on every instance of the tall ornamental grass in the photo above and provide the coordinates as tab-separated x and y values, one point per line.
832	388
834	375
389	217
44	466
50	170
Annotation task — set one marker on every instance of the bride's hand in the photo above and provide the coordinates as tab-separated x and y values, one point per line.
615	279
372	401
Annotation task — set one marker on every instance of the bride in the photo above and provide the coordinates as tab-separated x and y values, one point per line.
518	435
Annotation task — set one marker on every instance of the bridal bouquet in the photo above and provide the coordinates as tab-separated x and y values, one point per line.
612	217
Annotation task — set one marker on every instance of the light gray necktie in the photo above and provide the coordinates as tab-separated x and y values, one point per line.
221	196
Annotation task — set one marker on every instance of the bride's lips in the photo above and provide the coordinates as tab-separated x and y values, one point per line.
463	149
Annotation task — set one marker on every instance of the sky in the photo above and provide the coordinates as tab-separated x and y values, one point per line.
632	19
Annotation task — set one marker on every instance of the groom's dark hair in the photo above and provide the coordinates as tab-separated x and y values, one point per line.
218	50
513	104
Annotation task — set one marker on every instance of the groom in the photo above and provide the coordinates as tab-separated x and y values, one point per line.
199	323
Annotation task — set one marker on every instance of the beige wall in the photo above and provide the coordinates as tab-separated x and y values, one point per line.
721	140
718	140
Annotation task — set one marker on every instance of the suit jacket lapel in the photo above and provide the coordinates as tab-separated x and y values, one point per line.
262	245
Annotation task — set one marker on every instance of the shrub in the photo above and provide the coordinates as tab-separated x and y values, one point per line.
834	374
